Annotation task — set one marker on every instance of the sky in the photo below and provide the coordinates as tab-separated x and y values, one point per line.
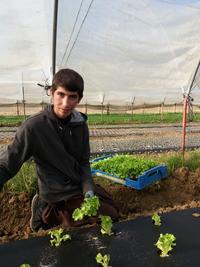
145	50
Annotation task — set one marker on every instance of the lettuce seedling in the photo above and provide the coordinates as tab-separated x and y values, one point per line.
165	243
156	218
88	208
103	260
106	225
58	237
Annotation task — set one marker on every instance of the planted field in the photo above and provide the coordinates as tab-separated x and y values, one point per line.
133	243
104	119
181	190
95	119
11	120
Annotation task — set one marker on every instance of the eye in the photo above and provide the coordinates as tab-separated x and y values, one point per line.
61	94
73	97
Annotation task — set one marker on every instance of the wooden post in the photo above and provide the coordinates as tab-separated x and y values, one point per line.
132	109
101	109
132	103
143	108
23	98
86	108
24	109
162	109
128	108
108	109
175	108
102	101
17	103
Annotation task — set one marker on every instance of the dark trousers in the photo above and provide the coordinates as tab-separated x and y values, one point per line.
61	213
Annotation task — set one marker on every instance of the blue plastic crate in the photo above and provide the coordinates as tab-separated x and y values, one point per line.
147	178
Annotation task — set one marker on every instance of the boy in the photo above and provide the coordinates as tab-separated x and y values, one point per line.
58	141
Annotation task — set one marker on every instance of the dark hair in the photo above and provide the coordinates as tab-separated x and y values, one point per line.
70	80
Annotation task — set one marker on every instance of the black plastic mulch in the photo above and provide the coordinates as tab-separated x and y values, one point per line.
131	245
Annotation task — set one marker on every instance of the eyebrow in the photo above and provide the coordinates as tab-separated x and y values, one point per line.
71	93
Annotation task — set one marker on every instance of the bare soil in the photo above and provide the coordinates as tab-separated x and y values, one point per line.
180	191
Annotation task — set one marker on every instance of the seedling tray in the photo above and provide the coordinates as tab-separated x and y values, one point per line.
147	178
132	245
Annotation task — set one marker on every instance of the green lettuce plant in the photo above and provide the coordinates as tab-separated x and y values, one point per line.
58	236
165	244
88	208
103	260
106	225
156	219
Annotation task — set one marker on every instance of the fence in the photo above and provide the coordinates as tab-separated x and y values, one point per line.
158	108
24	108
21	108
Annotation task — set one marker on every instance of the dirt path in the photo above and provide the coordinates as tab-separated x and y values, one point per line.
180	191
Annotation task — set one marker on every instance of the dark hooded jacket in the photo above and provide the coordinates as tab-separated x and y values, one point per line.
61	154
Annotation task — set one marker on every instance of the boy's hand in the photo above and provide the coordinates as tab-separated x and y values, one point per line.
89	193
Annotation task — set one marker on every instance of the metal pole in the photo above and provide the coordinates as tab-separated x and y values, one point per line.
162	108
185	101
194	76
23	98
55	16
132	103
111	178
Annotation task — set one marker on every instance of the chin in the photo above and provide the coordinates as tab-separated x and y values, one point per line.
63	116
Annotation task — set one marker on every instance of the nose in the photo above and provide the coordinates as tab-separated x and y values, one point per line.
66	101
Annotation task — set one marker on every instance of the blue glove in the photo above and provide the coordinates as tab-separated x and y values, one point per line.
89	193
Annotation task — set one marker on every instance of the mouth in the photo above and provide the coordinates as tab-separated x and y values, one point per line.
65	110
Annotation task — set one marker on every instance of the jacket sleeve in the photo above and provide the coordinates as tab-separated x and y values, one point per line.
85	171
16	154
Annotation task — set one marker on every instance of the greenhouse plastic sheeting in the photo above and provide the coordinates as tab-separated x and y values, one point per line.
131	245
127	51
130	51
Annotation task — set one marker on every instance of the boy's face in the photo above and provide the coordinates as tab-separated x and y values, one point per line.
64	102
